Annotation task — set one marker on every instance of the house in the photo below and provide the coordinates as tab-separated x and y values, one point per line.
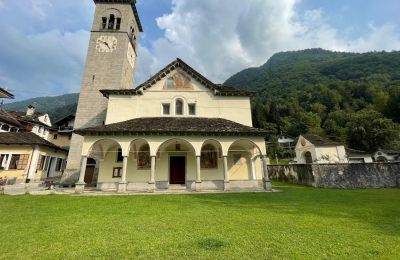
386	155
286	141
26	157
177	130
312	148
61	132
8	123
32	121
358	156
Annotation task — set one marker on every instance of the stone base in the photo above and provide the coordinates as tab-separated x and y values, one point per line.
80	187
197	186
122	187
152	187
267	185
227	186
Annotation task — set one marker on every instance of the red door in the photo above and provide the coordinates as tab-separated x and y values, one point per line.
177	170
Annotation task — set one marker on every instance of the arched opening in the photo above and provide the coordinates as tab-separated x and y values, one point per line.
178	156
5	128
111	22
244	161
308	157
179	107
209	157
381	159
104	162
144	160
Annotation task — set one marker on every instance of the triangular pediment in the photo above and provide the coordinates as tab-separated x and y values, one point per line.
184	78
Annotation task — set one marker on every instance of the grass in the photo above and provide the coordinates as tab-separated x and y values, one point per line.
297	223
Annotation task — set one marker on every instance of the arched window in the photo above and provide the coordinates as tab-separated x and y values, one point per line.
144	161
104	22
6	128
209	157
179	107
111	22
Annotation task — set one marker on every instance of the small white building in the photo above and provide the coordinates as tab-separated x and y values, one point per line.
286	141
386	156
316	149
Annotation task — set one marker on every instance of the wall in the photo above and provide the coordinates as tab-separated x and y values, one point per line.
122	108
349	176
17	176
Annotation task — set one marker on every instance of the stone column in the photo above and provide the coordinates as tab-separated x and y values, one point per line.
267	181
152	182
80	185
253	169
198	173
34	162
226	175
122	185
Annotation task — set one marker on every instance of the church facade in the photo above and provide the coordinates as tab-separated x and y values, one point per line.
177	130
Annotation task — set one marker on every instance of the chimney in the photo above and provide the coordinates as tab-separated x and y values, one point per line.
30	111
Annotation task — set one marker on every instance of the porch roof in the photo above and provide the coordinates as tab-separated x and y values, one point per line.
174	126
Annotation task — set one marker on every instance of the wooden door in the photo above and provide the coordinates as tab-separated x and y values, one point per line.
177	170
89	175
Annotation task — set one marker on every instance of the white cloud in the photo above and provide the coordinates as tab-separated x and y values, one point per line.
48	63
220	38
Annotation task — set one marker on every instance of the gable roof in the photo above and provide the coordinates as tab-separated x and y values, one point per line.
63	120
131	2
5	94
317	140
175	126
24	118
9	119
218	89
25	138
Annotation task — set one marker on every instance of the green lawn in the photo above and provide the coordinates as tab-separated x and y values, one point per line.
297	223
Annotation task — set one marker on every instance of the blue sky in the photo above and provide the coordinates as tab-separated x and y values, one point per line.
44	42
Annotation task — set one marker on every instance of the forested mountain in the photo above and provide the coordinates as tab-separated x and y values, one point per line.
353	98
57	107
349	97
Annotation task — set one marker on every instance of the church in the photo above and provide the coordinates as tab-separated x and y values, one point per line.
176	131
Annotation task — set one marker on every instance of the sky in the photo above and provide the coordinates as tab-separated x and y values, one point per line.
44	42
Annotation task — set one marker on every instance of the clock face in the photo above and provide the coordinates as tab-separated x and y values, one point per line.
106	44
131	55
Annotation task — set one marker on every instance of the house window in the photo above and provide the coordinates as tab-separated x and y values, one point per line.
111	22
55	137
40	163
117	172
118	23
237	159
209	157
104	22
59	164
192	109
179	107
170	83
46	163
166	109
144	161
119	158
3	161
18	162
40	130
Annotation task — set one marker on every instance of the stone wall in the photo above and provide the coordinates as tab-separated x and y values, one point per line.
348	176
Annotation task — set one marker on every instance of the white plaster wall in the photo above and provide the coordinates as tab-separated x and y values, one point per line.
122	108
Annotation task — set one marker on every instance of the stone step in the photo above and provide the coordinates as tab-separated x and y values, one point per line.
177	187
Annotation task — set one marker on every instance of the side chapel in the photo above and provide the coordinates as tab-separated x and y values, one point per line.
177	130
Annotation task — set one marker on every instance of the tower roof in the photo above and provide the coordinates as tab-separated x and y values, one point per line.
131	2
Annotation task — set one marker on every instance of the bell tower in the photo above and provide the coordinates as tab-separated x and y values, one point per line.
110	64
